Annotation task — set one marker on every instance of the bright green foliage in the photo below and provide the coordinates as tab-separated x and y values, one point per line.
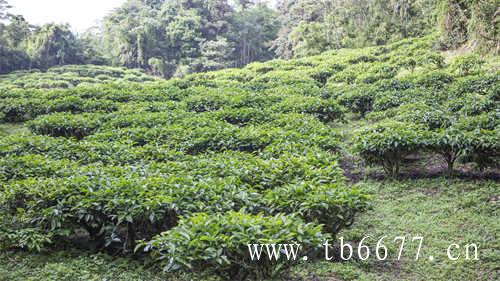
312	27
176	38
114	162
219	243
423	114
479	146
28	166
69	76
466	65
483	148
358	99
332	205
324	109
389	143
66	125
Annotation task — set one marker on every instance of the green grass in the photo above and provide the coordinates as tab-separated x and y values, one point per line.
442	211
76	265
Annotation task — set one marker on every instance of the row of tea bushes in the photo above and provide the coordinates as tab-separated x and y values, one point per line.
449	109
68	76
19	106
388	143
117	206
259	171
218	243
469	95
179	164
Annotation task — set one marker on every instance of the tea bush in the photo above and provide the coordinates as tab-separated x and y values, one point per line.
66	125
219	243
192	169
358	100
331	205
388	143
324	109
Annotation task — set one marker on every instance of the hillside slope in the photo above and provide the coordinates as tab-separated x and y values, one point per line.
184	170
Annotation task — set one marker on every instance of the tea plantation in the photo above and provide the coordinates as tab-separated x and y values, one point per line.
111	174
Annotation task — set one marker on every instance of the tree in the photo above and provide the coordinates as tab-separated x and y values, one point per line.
4	6
158	66
475	22
12	56
309	39
16	31
91	47
215	54
188	35
53	44
124	34
256	27
349	23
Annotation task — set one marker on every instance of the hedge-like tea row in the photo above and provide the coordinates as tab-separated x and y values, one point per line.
195	168
167	152
117	206
206	241
471	139
449	110
69	76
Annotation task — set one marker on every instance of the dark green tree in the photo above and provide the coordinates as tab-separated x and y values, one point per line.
53	44
256	26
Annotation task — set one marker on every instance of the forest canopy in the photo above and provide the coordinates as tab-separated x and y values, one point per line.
177	37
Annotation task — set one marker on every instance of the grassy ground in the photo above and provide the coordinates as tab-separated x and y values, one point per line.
442	211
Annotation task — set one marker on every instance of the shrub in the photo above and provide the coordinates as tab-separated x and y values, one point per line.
483	84
466	65
350	74
479	146
244	116
475	104
450	144
483	149
219	242
420	113
116	208
332	205
204	103
377	72
358	101
323	72
21	109
388	143
485	121
33	166
390	99
324	109
434	80
66	125
278	78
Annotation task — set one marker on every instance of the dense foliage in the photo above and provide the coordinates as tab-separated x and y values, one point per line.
117	162
174	38
165	38
311	27
160	166
210	242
